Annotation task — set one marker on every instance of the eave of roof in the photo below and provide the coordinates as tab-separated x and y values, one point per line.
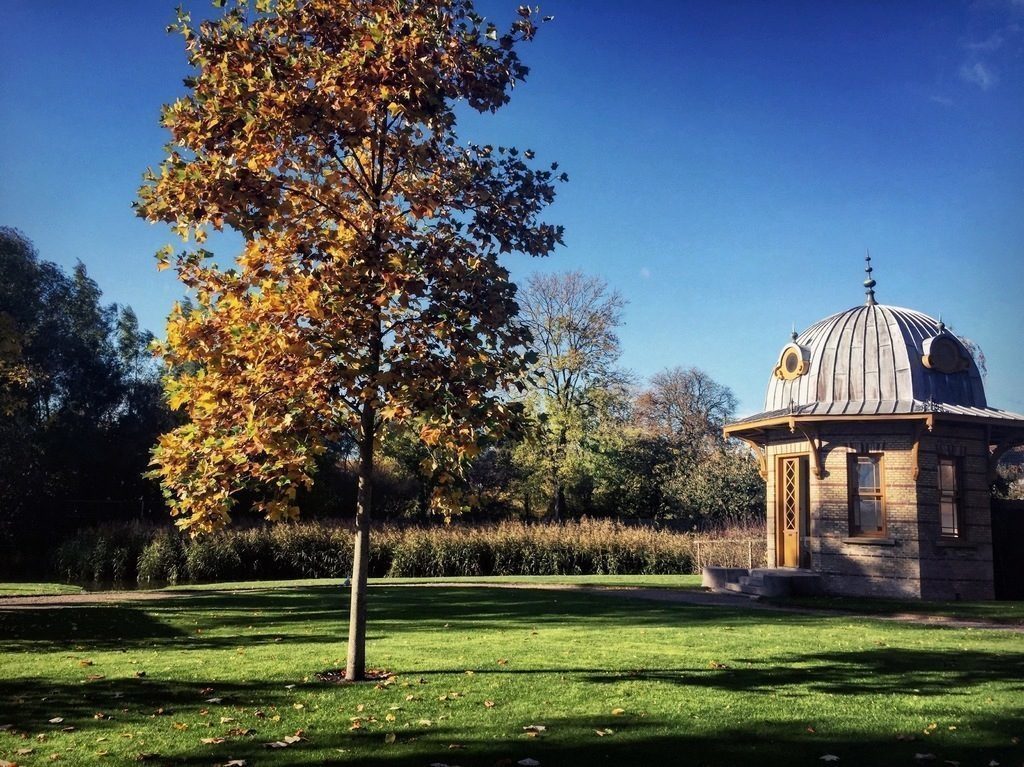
872	412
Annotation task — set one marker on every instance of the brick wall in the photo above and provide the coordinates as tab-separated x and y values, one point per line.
912	560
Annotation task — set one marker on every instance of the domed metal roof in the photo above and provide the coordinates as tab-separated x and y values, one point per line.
875	359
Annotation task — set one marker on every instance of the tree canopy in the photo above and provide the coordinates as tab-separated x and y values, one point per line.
369	289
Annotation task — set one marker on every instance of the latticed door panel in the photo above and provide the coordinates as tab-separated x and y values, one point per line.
790	494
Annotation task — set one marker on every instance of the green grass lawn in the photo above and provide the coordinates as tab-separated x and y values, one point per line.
661	683
37	589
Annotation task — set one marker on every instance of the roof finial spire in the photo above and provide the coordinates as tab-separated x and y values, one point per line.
869	283
794	335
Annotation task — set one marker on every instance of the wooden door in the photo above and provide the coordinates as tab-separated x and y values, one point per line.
790	507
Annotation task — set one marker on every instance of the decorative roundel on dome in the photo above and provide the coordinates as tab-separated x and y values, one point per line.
794	361
944	354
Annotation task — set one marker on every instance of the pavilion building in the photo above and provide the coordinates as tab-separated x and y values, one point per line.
879	450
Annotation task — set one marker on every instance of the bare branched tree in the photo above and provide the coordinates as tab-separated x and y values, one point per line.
572	318
687	406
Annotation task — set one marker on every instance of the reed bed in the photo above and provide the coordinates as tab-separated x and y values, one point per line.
135	555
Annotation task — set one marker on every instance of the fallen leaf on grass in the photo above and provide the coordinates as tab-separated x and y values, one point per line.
213	741
924	757
717	665
140	674
24	751
5	763
829	758
214	700
618	711
85	663
56	720
528	762
455	746
227	719
602	733
489	704
147	756
235	763
94	677
239	732
286	741
534	730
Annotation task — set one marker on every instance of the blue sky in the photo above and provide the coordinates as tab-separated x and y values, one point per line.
730	162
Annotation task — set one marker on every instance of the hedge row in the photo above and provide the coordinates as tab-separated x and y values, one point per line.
132	554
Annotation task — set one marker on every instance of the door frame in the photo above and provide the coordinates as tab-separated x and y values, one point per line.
803	512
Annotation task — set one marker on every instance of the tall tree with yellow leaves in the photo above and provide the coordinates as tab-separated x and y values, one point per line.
369	288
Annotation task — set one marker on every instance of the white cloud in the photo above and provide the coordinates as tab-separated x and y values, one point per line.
979	73
989	44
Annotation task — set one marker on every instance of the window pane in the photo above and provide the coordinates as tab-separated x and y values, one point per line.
867	473
947	476
948	516
868	515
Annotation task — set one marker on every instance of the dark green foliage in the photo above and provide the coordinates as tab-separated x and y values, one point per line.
82	406
104	555
723	489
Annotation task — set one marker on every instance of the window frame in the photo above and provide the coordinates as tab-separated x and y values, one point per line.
854	494
956	496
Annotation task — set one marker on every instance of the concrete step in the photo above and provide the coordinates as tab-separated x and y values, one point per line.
761	582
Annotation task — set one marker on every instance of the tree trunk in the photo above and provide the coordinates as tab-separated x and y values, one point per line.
559	502
355	667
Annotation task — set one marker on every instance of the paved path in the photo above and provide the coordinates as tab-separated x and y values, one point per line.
697	597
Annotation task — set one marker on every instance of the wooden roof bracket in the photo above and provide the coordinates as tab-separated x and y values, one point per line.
759	453
814	438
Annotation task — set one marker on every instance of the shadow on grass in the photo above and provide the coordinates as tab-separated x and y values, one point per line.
193	619
894	671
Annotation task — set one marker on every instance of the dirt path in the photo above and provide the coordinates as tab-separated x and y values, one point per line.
696	597
89	598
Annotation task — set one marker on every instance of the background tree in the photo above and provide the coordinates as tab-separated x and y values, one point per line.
369	289
572	319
